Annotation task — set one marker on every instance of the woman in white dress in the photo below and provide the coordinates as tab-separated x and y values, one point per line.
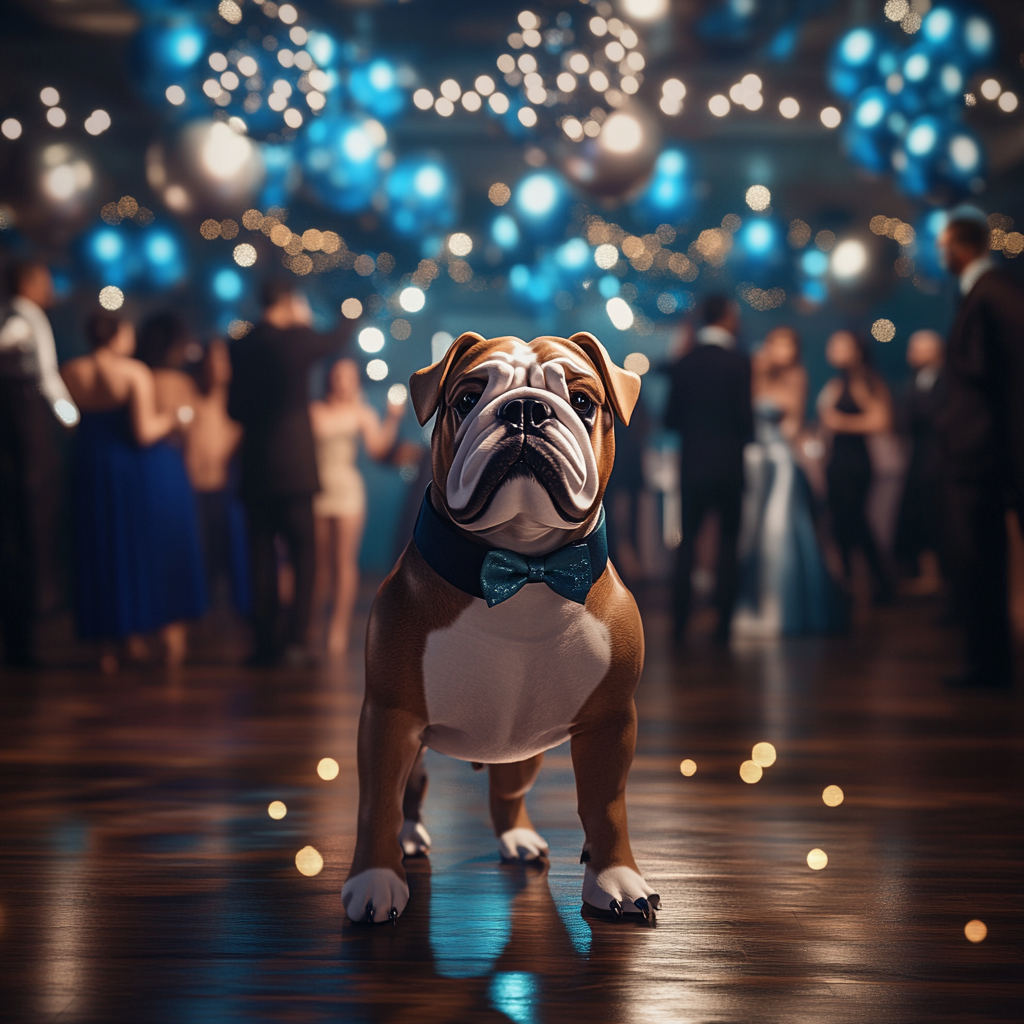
339	422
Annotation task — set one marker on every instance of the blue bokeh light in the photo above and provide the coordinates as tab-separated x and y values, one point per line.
538	196
814	263
227	285
505	231
422	196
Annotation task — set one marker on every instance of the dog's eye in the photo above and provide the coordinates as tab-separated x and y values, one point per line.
581	403
464	406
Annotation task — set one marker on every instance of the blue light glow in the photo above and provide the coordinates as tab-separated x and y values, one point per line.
505	231
964	153
519	277
609	286
382	75
537	196
514	993
573	255
938	25
429	181
978	37
321	48
857	46
814	263
107	245
160	248
227	285
758	237
921	139
870	112
952	79
184	45
916	67
357	145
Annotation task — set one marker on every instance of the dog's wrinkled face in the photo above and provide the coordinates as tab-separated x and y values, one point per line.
524	444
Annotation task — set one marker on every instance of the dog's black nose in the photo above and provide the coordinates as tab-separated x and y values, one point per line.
525	412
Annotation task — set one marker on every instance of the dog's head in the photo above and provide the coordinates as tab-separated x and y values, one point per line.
524	444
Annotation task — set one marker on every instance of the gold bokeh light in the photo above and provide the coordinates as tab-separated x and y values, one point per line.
688	767
309	862
751	772
277	809
832	796
327	769
763	754
975	930
817	859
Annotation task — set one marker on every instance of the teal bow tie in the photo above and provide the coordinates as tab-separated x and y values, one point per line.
566	571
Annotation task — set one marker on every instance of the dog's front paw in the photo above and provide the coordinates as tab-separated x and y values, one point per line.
374	896
522	844
414	838
620	890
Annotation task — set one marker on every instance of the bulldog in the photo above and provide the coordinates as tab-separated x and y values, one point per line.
504	630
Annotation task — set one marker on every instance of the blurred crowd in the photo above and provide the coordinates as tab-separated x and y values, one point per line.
204	474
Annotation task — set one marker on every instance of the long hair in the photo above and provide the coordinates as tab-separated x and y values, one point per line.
101	328
158	335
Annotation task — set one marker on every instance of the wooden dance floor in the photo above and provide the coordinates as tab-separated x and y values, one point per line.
142	879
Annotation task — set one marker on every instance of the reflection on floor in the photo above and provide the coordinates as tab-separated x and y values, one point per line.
143	879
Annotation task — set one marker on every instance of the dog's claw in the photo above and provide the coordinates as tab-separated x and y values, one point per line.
616	908
655	900
368	916
646	909
393	917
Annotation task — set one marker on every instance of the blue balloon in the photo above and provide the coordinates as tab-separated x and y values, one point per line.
423	195
861	58
126	254
871	131
939	160
165	52
375	87
341	160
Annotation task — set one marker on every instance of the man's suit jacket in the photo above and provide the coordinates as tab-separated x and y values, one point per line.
270	398
983	423
710	406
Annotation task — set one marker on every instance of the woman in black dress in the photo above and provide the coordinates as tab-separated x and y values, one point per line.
852	406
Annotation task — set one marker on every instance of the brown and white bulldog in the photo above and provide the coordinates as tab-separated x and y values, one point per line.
503	630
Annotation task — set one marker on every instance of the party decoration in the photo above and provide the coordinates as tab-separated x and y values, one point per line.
422	195
342	157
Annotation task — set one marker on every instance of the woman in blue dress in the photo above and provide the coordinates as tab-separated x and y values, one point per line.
786	589
138	560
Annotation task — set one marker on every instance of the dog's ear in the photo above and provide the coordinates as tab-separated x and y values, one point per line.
623	386
425	385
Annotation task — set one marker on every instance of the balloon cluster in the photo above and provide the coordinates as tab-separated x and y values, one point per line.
906	104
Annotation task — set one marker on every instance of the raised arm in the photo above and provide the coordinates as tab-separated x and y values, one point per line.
379	437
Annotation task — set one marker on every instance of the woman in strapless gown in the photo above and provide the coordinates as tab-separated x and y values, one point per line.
786	589
340	422
137	554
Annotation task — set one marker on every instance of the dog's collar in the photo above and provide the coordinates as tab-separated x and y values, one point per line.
458	560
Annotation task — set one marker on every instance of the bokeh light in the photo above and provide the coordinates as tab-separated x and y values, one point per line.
376	369
309	862
758	197
619	313
883	330
832	796
975	931
111	297
277	810
245	254
687	767
789	107
763	754
11	128
849	259
327	768
398	394
637	362
751	772
831	117
817	859
371	339
411	299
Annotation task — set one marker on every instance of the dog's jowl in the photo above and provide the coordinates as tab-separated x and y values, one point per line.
504	630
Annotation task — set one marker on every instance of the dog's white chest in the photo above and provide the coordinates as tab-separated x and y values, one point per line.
505	683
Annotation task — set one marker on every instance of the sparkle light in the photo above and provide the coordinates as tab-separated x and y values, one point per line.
789	107
621	133
371	339
638	363
245	254
352	309
230	11
751	772
719	105
619	313
460	244
832	796
849	258
499	193
645	10
412	299
327	768
896	10
309	862
687	767
975	930
111	297
817	859
831	118
277	809
883	330
606	256
376	369
758	197
763	754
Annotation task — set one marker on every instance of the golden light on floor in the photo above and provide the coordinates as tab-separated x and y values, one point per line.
309	862
817	859
763	754
751	772
975	931
277	809
688	767
327	769
833	796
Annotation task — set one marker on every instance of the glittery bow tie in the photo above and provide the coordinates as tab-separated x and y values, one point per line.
566	571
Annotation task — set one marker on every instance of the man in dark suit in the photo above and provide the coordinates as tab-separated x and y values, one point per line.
710	406
270	398
983	443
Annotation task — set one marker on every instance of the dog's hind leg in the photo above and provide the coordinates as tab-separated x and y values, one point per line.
509	784
415	839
